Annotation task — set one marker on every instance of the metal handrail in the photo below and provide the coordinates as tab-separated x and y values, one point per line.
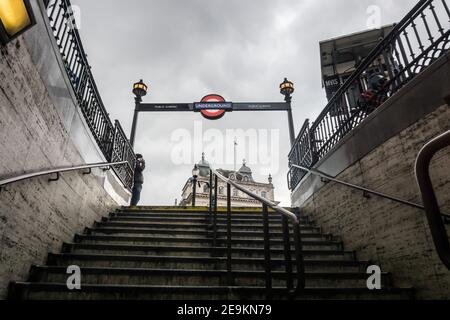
364	189
432	210
286	217
267	202
40	173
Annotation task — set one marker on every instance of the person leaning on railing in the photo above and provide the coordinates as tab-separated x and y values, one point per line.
138	180
375	95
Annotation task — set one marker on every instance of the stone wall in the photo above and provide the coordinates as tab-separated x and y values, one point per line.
395	236
42	128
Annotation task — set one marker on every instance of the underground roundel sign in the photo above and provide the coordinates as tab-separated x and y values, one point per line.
213	107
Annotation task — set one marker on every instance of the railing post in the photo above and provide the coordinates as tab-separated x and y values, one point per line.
287	254
268	266
210	191
299	257
215	212
313	146
230	280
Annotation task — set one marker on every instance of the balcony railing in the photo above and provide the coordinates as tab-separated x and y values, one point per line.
415	43
110	137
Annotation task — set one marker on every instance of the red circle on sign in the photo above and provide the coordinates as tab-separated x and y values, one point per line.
213	114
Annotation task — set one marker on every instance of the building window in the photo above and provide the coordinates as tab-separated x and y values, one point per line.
235	193
264	194
221	190
205	188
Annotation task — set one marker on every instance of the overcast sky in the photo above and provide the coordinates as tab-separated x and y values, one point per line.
185	49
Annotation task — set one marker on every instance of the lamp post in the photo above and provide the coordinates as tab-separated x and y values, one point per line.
195	173
287	89
16	17
139	90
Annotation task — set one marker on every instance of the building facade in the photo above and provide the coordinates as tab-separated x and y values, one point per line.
243	176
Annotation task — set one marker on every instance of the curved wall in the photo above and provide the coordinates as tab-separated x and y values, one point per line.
41	127
380	154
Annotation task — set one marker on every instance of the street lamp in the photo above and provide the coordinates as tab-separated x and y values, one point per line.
195	173
287	89
140	90
16	17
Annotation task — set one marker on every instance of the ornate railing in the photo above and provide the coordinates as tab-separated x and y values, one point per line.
110	138
416	42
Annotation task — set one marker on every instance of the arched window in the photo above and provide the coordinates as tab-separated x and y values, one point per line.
246	179
205	188
235	193
221	190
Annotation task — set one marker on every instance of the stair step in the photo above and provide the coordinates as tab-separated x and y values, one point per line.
173	277
200	233
191	262
59	291
192	225
184	232
195	217
142	240
195	221
220	211
194	250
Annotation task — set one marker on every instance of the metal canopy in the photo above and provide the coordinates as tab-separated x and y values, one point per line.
340	55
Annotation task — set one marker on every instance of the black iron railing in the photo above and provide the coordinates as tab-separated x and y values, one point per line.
416	42
294	282
430	202
110	138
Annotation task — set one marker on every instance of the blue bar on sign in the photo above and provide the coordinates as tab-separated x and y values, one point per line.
213	106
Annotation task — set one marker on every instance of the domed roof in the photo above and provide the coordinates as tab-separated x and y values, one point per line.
244	169
203	166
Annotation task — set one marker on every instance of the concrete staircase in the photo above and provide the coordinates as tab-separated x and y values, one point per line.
167	253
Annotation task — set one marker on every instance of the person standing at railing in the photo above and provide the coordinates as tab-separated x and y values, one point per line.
138	180
375	95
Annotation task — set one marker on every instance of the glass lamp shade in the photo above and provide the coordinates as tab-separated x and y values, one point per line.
287	88
16	16
140	89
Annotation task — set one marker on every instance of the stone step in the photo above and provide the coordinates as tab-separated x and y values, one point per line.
201	251
202	239
201	263
140	240
59	291
306	232
181	211
174	277
202	220
197	216
194	226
